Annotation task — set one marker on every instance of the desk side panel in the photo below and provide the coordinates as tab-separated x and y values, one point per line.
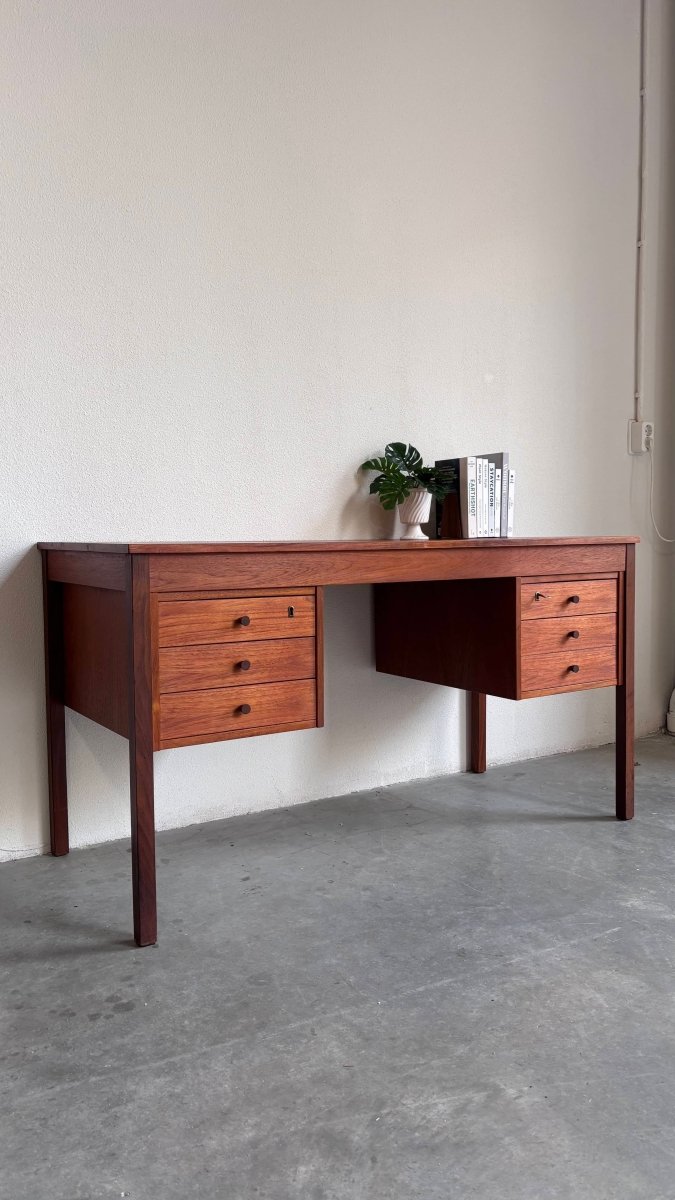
96	644
174	572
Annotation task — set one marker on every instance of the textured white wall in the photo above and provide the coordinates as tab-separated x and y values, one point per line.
245	243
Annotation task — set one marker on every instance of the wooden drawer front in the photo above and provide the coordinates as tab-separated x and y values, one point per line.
553	672
558	633
556	599
195	622
189	714
184	668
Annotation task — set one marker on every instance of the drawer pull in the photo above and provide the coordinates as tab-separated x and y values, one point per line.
246	708
574	599
244	621
574	668
245	664
540	596
573	633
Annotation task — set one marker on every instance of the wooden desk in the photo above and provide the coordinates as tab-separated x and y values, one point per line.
173	645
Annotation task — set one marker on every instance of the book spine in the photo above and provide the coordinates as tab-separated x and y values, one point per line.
512	486
505	493
463	496
498	502
479	498
471	485
491	500
486	516
437	508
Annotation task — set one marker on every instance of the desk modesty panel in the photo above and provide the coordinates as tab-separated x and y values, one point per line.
176	644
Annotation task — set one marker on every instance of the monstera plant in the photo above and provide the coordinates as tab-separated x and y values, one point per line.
400	471
403	479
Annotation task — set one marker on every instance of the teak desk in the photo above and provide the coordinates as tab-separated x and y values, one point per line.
173	645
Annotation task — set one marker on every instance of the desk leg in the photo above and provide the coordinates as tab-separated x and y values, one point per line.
140	754
52	598
625	718
478	731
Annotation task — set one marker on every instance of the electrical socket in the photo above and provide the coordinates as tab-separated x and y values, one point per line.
640	436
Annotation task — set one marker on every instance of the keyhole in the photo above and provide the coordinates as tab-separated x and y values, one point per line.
291	610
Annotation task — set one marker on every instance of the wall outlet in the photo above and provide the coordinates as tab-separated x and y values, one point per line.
640	436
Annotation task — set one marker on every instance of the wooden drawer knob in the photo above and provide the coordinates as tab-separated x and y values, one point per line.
573	668
246	708
245	664
244	620
573	633
574	599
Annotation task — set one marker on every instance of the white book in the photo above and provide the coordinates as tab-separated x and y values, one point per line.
467	495
512	486
505	491
486	516
491	500
479	498
473	511
498	502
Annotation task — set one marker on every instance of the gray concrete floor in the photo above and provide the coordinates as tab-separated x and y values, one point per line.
441	990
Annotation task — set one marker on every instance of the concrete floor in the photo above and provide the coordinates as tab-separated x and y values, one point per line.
444	990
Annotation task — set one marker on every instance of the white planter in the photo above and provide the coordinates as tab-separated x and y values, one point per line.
415	512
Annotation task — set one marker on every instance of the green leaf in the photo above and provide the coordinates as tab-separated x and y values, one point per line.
438	490
436	480
392	489
407	457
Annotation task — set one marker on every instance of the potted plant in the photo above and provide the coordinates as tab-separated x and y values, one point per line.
403	479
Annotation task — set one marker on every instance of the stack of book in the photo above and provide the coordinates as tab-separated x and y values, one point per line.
480	502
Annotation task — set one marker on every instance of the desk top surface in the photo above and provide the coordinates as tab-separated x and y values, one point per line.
331	547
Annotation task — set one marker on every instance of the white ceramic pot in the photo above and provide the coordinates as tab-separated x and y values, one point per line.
413	513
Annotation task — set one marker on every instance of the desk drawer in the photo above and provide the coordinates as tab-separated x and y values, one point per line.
188	668
249	619
573	597
568	633
219	710
569	670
